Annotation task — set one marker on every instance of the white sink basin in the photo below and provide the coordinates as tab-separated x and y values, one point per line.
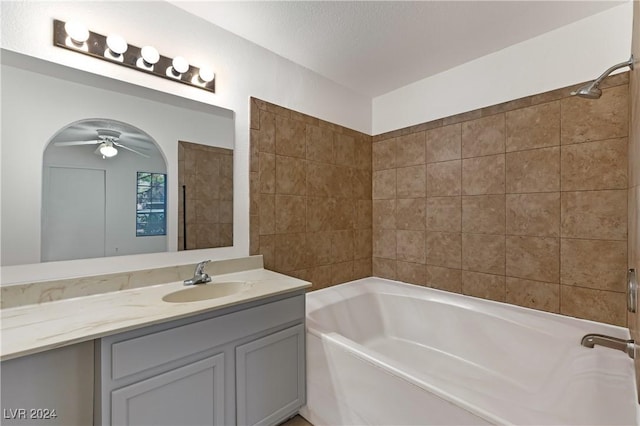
207	291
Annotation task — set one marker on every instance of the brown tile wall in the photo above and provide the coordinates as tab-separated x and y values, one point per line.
634	174
207	174
310	201
523	202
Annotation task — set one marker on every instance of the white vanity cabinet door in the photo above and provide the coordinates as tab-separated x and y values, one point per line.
189	395
270	383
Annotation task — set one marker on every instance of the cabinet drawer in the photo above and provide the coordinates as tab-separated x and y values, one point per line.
132	353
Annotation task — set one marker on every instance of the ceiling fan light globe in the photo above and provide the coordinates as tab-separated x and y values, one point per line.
108	150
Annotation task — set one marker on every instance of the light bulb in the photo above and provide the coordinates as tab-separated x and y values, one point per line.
206	74
117	44
78	34
150	57
179	66
108	150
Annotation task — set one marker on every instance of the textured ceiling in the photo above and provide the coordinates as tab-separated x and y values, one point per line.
376	47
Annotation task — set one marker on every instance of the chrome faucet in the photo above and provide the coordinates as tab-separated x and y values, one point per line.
626	346
199	276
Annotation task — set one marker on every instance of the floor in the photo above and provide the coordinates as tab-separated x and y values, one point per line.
298	420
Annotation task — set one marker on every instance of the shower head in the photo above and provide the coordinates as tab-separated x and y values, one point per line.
589	91
592	90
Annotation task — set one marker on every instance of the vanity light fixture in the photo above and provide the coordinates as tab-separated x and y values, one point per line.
107	149
76	37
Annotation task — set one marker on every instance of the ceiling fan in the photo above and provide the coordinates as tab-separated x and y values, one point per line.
107	142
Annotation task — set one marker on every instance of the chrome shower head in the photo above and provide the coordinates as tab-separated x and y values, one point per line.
592	90
589	91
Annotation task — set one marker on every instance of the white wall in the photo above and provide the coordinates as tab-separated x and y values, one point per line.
242	70
577	52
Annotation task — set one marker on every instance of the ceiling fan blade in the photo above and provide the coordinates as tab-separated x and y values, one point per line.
73	143
119	145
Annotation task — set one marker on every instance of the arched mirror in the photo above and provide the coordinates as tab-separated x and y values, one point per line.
104	192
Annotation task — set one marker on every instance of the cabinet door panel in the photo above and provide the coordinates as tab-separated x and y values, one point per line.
189	395
270	377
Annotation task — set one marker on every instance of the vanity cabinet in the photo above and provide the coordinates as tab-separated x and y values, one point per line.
239	365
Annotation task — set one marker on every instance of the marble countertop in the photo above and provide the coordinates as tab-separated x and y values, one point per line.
30	329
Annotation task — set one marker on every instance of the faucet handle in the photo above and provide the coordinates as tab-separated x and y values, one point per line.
200	267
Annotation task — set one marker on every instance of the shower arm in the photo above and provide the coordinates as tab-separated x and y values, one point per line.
629	63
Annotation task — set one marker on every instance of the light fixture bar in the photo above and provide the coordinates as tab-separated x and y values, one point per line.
96	46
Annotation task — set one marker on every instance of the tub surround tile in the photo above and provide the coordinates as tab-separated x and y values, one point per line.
384	243
484	136
363	215
585	120
342	246
322	213
361	184
384	214
290	137
483	253
446	279
594	215
341	272
363	244
536	215
344	149
444	249
483	175
410	214
534	258
595	165
363	152
410	246
343	215
486	286
444	179
384	184
267	216
319	250
537	126
444	143
320	277
384	154
410	150
600	265
411	182
267	249
291	253
290	214
536	170
319	144
362	268
384	268
444	214
267	173
595	305
319	213
483	214
533	294
412	273
267	136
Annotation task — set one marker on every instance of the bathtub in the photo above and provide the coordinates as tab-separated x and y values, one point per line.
385	352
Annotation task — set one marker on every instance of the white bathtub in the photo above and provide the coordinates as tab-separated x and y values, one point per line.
384	352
